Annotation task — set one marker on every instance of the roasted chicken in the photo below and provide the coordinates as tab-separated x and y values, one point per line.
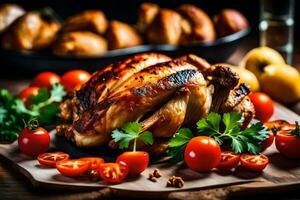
89	20
32	31
161	93
8	14
80	43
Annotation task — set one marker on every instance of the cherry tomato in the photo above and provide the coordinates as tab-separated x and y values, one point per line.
229	160
202	153
33	142
27	92
113	172
73	168
74	78
263	105
95	162
287	144
45	80
276	124
137	161
267	142
50	159
254	162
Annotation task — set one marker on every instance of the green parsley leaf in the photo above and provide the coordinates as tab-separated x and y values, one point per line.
178	143
131	131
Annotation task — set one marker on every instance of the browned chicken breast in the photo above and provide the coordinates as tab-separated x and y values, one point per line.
197	25
32	31
80	43
89	20
160	93
165	28
121	35
8	14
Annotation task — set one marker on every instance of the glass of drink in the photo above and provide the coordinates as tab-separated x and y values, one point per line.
276	26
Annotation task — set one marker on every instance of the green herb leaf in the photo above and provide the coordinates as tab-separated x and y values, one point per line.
131	131
178	143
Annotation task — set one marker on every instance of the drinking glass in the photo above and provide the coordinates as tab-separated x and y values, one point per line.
276	26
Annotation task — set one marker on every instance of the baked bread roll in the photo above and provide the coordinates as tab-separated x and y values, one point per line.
146	14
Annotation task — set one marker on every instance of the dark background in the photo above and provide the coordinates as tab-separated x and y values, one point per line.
126	10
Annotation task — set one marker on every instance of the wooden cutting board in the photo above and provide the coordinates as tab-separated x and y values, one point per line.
280	172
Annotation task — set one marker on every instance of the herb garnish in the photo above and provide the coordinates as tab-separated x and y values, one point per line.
131	131
223	129
14	114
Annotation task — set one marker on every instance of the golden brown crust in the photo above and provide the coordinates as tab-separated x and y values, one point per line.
8	14
165	28
121	35
89	20
229	21
201	26
146	14
80	43
30	32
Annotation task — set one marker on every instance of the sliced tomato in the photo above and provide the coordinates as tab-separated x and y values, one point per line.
229	160
137	161
73	168
113	172
276	124
95	162
50	159
254	162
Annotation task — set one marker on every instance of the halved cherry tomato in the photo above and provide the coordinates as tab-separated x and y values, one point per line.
263	105
45	80
267	142
33	141
73	168
137	161
113	172
27	92
276	124
74	78
229	160
95	162
254	162
202	153
50	159
287	144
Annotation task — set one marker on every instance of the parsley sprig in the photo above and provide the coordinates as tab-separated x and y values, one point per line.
14	114
224	128
131	131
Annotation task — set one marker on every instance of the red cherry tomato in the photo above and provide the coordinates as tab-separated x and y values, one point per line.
113	172
74	78
254	162
45	80
263	105
137	161
27	92
95	162
50	159
33	142
229	160
202	153
287	144
73	168
267	142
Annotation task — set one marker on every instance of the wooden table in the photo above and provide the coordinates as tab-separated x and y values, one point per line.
15	186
